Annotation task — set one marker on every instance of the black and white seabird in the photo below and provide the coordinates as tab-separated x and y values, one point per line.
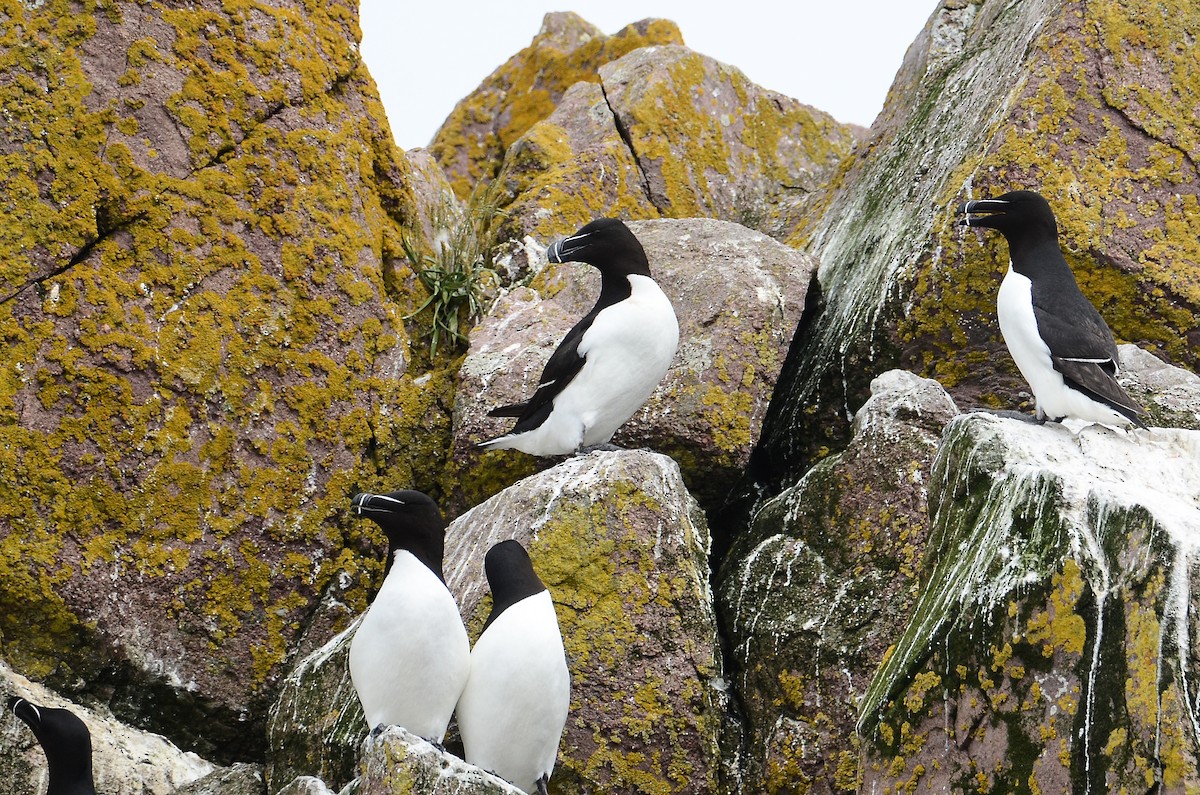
609	363
1061	345
512	712
67	743
410	656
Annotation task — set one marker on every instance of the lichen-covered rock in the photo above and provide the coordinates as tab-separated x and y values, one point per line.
1091	103
623	548
1051	649
199	347
471	143
737	294
316	725
239	779
568	169
438	208
398	763
819	585
306	785
673	133
1170	394
125	760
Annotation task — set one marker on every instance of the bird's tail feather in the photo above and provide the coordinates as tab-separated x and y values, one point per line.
513	410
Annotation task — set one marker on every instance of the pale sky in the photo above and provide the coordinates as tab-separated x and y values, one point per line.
837	56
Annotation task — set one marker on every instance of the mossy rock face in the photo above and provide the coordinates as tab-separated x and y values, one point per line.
398	763
569	169
1091	104
316	725
815	589
200	347
671	133
1050	650
737	295
240	779
471	143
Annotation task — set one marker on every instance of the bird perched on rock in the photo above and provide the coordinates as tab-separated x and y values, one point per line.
67	743
1060	343
410	655
609	363
512	712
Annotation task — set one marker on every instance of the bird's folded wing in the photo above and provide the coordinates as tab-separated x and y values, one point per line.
1077	334
1095	379
564	364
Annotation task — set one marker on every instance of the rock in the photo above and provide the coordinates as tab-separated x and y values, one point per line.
623	549
316	725
471	143
125	760
672	133
1051	645
737	294
1050	95
200	349
566	170
812	593
397	761
238	779
1170	394
438	207
306	785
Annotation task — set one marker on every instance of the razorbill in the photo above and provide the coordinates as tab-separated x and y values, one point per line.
410	656
67	743
512	712
1060	343
609	363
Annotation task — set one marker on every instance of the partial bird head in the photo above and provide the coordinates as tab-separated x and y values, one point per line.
508	562
1018	215
411	520
510	576
606	244
66	741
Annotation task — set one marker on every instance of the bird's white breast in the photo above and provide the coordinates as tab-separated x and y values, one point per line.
410	656
628	350
515	705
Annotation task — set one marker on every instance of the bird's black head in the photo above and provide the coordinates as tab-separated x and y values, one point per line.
1022	216
606	244
510	576
410	520
67	743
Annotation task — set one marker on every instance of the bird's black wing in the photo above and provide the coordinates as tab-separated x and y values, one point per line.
1083	350
564	364
1096	380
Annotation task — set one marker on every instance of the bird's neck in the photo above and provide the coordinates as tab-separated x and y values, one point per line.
613	289
1043	251
76	781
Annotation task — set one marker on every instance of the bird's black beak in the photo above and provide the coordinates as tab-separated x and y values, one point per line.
981	207
563	249
366	504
